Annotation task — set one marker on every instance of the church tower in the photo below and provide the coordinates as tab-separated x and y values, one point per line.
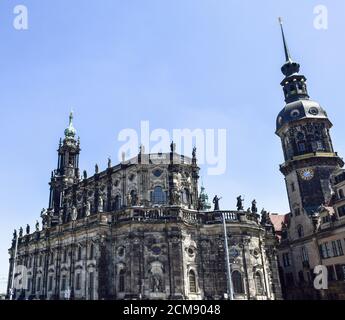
67	172
304	129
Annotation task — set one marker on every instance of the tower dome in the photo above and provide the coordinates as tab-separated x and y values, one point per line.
70	131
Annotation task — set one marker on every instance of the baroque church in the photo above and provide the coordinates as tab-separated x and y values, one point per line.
141	230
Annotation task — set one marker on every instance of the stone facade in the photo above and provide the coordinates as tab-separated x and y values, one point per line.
140	230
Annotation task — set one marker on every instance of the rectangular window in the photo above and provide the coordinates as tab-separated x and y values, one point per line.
293	187
341	211
326	219
63	283
335	249
325	250
77	281
340	248
91	285
29	284
38	285
331	273
50	283
286	259
340	271
297	212
305	257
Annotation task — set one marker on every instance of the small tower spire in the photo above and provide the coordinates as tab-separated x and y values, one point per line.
286	48
70	131
290	67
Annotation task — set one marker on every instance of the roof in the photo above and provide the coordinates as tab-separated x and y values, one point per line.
298	110
277	221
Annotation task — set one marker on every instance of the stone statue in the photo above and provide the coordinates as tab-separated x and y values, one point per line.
109	163
74	213
156	283
88	209
194	152
27	229
254	207
61	217
85	174
216	203
264	217
43	212
37	226
100	204
173	146
129	200
14	234
96	168
176	196
240	203
20	232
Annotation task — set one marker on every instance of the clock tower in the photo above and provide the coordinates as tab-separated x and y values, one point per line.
304	129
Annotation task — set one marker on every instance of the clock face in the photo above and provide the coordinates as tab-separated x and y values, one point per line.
307	174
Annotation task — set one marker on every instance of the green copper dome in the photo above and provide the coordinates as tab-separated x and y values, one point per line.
70	132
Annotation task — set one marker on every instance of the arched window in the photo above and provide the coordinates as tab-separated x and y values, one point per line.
192	281
79	253
117	203
91	251
122	280
258	284
300	231
185	196
133	197
237	282
158	196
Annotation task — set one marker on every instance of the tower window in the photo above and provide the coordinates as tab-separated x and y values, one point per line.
297	212
293	189
300	231
192	281
301	147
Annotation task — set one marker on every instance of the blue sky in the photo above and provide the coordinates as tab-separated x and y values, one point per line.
179	64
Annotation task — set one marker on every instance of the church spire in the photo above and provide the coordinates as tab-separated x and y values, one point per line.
294	84
290	67
286	48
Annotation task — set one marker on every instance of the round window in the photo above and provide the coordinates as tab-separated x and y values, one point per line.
295	113
314	111
156	250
